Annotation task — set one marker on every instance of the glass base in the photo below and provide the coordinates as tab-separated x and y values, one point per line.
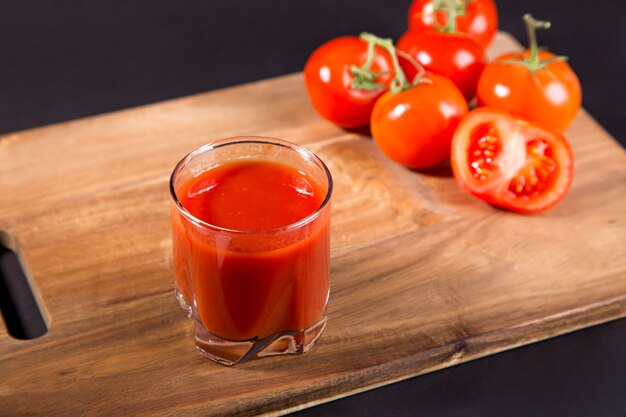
183	303
228	352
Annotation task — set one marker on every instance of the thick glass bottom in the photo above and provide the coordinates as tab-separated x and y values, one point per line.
228	352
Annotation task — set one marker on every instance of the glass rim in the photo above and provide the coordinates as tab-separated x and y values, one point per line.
238	140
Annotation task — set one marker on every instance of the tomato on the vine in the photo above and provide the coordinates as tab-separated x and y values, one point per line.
533	85
414	127
510	163
476	18
453	55
340	84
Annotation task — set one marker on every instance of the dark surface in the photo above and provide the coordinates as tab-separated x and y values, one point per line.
61	60
580	374
18	305
66	59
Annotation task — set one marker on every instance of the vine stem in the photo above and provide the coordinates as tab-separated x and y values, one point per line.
453	9
450	8
400	82
370	56
532	25
362	77
365	79
421	71
533	63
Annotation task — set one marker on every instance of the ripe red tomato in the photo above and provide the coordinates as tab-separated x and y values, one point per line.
550	94
328	81
479	20
454	55
415	127
511	163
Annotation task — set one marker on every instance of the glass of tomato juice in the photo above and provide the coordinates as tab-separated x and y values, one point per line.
251	240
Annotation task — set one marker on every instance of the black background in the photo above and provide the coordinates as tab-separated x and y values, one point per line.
61	60
67	59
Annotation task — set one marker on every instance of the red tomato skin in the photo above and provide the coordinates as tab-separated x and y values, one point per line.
551	96
493	193
455	56
327	79
480	22
415	127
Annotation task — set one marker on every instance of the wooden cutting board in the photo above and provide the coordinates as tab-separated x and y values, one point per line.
423	276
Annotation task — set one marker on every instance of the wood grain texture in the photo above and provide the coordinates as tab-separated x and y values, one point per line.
423	276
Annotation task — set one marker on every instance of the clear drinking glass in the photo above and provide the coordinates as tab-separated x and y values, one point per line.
252	293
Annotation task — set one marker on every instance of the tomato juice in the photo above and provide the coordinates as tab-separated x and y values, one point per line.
251	248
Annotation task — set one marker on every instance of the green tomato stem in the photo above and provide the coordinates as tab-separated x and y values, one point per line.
449	8
533	63
363	77
419	77
370	56
532	25
453	9
400	82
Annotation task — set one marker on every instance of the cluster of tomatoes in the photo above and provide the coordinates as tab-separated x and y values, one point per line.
509	152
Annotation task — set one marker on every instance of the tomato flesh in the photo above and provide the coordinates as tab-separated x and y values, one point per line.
539	173
483	151
511	163
531	181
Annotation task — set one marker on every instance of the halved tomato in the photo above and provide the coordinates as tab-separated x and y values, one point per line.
510	163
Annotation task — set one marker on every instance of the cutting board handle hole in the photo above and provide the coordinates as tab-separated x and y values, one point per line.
22	309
